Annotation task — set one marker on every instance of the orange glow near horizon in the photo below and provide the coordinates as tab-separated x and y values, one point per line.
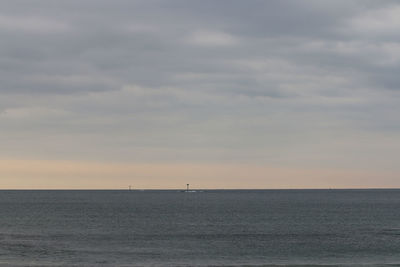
47	174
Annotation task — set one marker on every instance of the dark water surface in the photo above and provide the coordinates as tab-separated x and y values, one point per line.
170	228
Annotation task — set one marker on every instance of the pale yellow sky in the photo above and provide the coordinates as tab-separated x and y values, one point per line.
52	174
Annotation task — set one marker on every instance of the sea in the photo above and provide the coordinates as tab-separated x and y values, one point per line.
202	228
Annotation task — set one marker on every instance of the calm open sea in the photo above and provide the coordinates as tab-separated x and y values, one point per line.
210	228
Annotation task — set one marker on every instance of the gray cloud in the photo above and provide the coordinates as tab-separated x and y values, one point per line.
270	81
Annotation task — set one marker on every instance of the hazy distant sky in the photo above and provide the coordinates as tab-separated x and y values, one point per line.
233	94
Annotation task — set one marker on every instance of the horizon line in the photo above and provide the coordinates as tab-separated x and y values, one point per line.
195	189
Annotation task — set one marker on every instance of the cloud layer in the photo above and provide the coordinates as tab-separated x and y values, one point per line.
282	83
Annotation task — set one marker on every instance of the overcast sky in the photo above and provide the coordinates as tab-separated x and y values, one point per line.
285	84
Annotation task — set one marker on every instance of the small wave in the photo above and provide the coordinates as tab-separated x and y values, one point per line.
390	231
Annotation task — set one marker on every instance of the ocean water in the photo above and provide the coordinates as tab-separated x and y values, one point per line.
210	228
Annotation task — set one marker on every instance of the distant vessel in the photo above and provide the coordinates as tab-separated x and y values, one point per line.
187	190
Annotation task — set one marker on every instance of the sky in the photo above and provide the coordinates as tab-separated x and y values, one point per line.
219	94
